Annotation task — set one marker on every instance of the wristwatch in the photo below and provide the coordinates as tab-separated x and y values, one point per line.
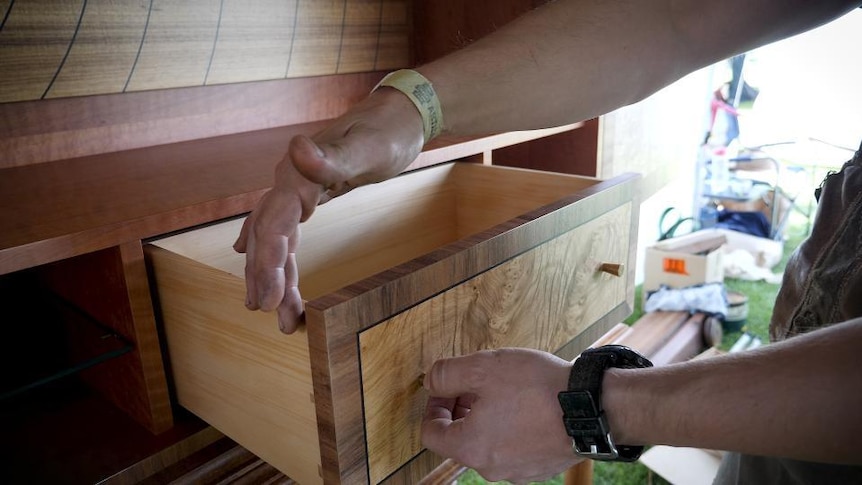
583	415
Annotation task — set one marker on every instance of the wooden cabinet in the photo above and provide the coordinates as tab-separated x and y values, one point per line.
438	262
86	182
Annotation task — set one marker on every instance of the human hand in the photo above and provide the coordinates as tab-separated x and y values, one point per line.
372	142
497	412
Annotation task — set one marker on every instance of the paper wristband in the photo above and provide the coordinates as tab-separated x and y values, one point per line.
420	91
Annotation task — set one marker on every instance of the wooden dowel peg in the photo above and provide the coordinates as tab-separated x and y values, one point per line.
615	269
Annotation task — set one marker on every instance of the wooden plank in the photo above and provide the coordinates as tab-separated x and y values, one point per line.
43	131
612	336
685	343
653	330
701	245
146	336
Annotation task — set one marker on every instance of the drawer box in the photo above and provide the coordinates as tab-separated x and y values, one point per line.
434	263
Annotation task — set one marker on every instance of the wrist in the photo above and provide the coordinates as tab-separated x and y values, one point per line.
618	404
584	415
420	92
394	105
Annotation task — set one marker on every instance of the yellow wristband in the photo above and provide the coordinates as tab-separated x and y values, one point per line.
420	91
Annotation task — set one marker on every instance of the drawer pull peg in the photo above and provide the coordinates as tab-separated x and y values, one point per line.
613	268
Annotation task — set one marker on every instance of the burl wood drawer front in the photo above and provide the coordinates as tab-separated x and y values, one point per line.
437	262
540	299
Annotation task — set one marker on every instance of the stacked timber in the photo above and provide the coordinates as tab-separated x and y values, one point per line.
669	337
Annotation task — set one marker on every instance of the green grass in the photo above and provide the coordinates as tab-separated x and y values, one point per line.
603	474
761	295
761	299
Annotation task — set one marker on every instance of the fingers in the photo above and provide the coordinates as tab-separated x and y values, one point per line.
271	238
463	405
290	311
440	432
290	308
242	240
459	376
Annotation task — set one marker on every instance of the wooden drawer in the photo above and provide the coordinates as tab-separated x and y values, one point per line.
438	262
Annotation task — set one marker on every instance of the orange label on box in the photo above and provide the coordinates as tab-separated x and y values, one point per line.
676	266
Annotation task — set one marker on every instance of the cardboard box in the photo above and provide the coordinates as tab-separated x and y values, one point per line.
688	260
766	252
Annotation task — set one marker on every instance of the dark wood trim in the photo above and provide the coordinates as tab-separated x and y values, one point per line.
57	129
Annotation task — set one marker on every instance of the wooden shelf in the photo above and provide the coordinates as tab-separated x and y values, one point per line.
57	210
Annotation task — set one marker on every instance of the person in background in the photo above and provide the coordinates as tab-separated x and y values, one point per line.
729	121
789	411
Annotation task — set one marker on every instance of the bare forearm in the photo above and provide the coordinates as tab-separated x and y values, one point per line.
797	399
575	59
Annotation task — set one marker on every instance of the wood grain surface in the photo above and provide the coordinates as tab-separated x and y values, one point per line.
111	286
335	319
376	228
51	211
57	129
503	221
652	331
51	49
233	368
540	299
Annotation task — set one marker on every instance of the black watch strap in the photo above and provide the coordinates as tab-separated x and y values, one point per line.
583	415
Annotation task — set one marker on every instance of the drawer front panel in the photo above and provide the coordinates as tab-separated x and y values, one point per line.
540	299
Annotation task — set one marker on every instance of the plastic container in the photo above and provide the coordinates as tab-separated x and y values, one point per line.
737	311
719	180
708	216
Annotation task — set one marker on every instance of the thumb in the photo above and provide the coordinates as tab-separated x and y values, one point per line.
320	163
458	376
